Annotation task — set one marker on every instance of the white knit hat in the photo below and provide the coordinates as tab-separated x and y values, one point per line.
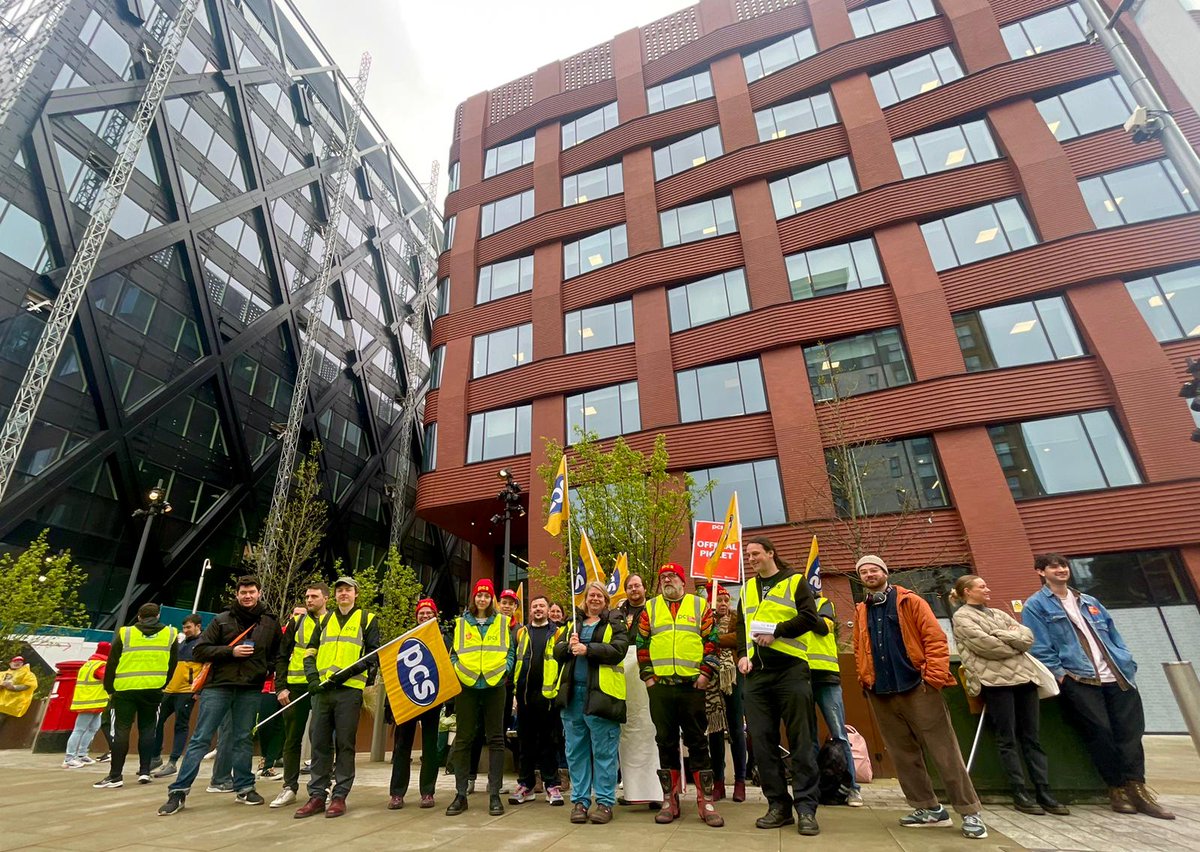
872	559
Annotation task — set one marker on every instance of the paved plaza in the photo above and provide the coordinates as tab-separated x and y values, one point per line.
49	808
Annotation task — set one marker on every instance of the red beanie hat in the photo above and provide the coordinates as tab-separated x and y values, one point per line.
104	648
484	585
426	602
509	593
672	568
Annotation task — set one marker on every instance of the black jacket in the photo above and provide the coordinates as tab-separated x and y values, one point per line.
228	670
598	653
148	628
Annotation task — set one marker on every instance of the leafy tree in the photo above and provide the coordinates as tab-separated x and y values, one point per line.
391	591
38	589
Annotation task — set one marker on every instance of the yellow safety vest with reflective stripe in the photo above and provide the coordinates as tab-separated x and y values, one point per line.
822	650
779	605
676	646
89	696
551	669
144	659
303	626
342	646
482	656
611	677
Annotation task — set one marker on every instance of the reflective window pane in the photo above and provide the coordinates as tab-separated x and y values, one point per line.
502	350
779	55
813	187
896	476
1169	302
1086	109
594	251
795	117
675	93
505	278
978	233
687	153
497	434
588	125
760	495
604	412
857	365
505	213
1047	31
834	269
888	15
506	157
708	300
599	327
1021	333
721	390
916	76
1136	194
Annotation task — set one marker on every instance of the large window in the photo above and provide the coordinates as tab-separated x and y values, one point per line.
834	269
505	213
449	231
912	78
779	55
721	390
697	221
1169	302
888	15
441	305
502	350
1133	579
1047	31
687	153
978	233
1059	455
1137	194
452	177
593	184
855	365
1085	109
507	157
599	327
708	300
760	496
1021	333
675	93
594	251
604	411
429	450
22	237
948	148
499	433
588	125
897	476
795	117
814	187
437	359
505	278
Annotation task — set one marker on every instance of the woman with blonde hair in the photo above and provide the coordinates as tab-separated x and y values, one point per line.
993	647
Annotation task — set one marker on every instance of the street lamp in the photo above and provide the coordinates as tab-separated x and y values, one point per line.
510	498
158	506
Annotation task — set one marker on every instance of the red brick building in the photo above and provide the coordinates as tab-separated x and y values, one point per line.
691	229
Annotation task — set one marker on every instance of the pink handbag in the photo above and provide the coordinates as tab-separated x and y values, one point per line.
863	773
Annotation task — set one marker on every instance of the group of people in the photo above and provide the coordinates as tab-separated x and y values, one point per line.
614	691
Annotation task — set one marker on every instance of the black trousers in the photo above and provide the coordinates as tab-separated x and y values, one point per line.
294	721
402	743
783	695
179	705
1015	715
1112	723
513	745
476	709
128	704
537	720
334	728
678	709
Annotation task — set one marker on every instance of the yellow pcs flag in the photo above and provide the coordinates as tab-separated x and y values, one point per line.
588	570
417	673
559	509
731	534
616	583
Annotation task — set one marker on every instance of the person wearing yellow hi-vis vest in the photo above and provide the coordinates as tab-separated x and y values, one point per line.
482	655
141	662
591	696
776	609
677	655
337	674
88	702
827	689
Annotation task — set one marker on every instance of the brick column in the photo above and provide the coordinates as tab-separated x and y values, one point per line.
548	420
830	22
977	38
805	480
658	400
627	67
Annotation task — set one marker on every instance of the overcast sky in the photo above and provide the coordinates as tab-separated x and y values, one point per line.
430	56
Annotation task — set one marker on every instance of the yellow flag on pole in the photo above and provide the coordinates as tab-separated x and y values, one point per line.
589	569
417	672
731	534
558	500
616	583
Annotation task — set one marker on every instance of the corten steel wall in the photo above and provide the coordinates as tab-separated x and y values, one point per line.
1126	369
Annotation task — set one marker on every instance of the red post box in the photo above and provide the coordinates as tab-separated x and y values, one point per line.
59	721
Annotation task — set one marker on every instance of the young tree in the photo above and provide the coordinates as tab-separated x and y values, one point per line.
38	589
391	591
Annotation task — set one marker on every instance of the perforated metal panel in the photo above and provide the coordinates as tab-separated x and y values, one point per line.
748	9
510	99
591	66
670	33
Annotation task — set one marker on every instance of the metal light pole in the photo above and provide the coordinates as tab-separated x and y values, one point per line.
158	505
510	496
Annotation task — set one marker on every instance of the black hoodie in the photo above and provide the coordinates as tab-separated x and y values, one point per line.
148	628
213	646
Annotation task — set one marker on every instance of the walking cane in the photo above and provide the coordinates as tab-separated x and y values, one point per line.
978	734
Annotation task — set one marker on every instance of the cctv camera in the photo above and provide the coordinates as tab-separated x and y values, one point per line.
1143	125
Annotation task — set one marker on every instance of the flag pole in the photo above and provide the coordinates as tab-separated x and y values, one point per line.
570	553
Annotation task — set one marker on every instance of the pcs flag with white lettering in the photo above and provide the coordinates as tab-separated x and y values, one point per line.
417	672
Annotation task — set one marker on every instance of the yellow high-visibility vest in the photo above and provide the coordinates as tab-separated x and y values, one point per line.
89	696
611	676
676	646
551	670
481	656
342	645
144	659
303	626
822	650
779	605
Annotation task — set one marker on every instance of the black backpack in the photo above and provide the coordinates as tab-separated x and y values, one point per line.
833	773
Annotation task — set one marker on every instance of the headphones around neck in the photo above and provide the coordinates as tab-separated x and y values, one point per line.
878	598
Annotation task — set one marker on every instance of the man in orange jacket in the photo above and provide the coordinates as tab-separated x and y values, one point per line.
903	664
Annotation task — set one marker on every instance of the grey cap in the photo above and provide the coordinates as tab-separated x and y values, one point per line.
345	581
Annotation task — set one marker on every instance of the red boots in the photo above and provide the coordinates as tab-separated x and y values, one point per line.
670	787
704	799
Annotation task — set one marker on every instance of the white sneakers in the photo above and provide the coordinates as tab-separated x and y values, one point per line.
286	797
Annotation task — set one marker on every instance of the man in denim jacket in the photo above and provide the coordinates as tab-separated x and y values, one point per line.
1074	636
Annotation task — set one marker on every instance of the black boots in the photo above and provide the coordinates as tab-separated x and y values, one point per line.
775	817
1025	803
1050	804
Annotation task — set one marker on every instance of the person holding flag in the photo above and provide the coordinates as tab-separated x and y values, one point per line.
424	691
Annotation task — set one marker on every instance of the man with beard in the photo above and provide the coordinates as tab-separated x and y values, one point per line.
241	644
537	718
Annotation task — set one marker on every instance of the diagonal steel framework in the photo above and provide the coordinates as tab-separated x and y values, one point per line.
291	434
25	29
66	305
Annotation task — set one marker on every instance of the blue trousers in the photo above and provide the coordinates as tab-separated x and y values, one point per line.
242	704
828	696
592	746
86	725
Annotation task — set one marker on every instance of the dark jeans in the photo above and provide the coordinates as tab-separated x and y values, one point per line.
1015	714
678	709
142	703
536	723
735	724
335	715
179	705
1112	723
294	721
783	695
476	709
217	702
402	744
